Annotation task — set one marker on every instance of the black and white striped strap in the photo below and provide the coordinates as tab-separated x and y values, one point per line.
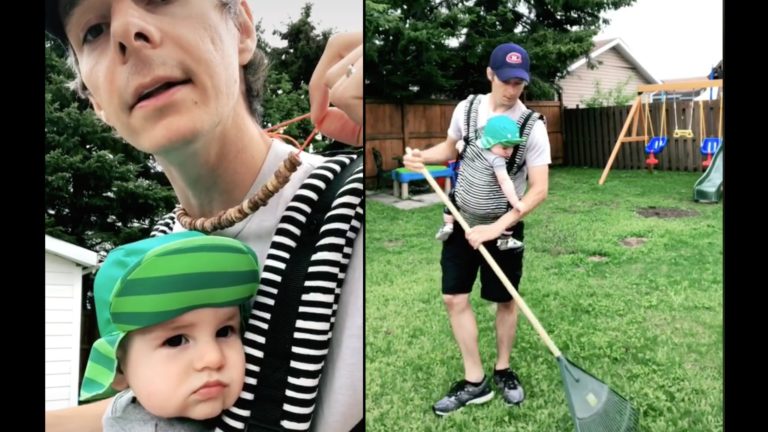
525	122
290	327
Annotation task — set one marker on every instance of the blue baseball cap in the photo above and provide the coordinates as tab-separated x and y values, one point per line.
510	61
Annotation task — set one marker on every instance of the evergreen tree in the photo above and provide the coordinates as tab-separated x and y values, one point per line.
99	191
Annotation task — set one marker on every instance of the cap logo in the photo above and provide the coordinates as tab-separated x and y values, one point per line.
514	58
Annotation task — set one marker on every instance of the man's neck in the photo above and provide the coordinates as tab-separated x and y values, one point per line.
496	106
217	172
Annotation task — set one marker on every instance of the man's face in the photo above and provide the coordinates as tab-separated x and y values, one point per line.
505	93
162	73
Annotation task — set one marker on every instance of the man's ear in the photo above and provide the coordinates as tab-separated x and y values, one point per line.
489	74
248	35
98	110
119	383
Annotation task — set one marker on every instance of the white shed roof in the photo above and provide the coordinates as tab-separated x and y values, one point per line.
72	252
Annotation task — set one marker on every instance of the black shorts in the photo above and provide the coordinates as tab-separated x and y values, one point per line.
460	263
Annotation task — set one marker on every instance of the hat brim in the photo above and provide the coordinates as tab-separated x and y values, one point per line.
101	369
506	74
487	142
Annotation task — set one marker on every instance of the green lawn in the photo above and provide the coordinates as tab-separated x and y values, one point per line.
646	320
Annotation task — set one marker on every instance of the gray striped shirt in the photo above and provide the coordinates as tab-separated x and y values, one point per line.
478	193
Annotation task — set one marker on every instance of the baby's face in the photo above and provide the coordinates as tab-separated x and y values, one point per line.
502	151
192	366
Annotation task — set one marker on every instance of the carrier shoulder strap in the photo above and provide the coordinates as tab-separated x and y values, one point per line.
300	303
470	122
291	321
526	122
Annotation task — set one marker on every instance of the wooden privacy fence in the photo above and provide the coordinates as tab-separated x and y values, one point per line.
391	127
592	132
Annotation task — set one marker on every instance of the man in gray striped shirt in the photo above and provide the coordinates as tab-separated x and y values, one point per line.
482	203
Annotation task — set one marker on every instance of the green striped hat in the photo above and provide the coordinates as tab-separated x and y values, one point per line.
500	130
158	279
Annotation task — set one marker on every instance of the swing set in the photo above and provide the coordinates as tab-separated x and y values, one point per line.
685	133
710	145
655	144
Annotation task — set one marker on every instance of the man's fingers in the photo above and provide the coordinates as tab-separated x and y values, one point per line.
347	93
339	46
337	125
412	159
341	70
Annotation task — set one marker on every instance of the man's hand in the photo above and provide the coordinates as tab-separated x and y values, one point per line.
413	159
482	233
338	80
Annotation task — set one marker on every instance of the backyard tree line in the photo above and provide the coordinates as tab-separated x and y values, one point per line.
99	191
420	49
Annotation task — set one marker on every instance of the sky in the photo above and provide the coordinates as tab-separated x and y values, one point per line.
343	15
671	38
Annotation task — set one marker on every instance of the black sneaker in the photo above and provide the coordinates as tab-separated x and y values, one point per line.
510	387
463	393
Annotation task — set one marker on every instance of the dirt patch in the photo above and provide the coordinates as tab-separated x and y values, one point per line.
597	258
392	244
666	212
557	251
632	242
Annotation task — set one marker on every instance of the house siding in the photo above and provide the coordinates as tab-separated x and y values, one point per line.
612	71
63	294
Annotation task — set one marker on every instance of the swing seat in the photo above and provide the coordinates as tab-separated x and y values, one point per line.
686	133
651	161
656	144
710	145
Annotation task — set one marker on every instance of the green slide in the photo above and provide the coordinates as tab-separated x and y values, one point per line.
709	188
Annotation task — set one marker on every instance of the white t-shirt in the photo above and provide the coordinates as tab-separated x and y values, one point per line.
340	400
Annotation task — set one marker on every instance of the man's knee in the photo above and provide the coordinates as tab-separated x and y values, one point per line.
506	307
456	302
